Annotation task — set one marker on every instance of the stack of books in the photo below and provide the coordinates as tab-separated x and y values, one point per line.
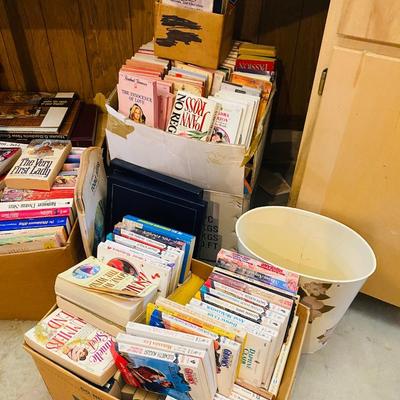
25	116
231	340
219	106
37	208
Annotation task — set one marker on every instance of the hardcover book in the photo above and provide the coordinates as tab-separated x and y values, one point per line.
38	165
29	112
75	345
192	116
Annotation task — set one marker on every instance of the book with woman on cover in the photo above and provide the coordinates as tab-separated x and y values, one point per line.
38	165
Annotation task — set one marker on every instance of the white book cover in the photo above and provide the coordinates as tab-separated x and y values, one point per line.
165	345
120	256
93	274
227	122
183	339
74	344
200	5
256	347
192	116
178	374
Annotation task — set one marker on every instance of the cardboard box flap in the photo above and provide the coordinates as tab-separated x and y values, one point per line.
212	166
191	35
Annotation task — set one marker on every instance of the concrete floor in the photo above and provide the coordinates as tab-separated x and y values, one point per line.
360	362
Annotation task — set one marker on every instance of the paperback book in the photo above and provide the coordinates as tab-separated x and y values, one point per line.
75	345
38	165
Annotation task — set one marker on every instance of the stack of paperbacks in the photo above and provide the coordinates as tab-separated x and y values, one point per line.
37	209
25	116
98	297
230	341
222	105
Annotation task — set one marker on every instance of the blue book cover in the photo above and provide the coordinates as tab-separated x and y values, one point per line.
32	223
168	232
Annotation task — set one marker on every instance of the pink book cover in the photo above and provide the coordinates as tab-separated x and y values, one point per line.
26	214
140	71
137	99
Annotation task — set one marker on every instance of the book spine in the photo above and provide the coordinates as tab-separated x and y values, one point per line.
28	136
260	67
250	293
33	223
255	348
246	394
281	363
25	214
35	204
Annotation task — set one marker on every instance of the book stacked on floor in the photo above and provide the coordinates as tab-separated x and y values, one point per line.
230	341
37	208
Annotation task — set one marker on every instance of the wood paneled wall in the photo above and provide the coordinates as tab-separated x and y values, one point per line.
69	44
80	44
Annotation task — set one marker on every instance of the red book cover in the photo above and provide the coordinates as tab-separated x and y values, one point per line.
255	66
13	195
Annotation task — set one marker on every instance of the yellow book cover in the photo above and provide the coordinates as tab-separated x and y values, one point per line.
264	85
257	49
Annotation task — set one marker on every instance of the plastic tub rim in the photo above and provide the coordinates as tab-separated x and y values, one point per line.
323	217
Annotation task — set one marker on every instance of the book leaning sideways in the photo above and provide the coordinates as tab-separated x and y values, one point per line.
38	165
75	345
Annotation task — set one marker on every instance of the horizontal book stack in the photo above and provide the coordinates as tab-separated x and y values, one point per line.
231	340
37	209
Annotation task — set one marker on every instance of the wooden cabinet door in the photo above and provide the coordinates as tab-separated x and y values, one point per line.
349	163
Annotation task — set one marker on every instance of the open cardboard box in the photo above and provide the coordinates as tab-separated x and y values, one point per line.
193	36
64	385
217	168
27	279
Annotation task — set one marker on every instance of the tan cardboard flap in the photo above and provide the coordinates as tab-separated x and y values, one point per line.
190	35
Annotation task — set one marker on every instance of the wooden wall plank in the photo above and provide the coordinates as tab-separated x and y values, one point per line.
29	31
64	30
7	80
18	82
248	20
142	21
107	32
311	30
279	26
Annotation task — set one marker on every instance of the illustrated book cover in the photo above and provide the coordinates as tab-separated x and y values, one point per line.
38	165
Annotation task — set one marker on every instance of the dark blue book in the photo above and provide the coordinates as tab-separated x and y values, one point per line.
31	223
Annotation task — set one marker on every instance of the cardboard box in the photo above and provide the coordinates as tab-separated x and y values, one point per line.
192	36
64	385
218	168
223	210
27	279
